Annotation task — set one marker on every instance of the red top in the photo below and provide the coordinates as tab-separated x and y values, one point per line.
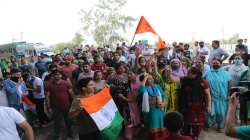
100	67
67	70
59	94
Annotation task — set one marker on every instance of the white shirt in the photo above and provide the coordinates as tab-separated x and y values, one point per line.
38	82
9	119
3	98
203	50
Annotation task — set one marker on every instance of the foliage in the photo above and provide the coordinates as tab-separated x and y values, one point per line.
76	41
232	40
105	23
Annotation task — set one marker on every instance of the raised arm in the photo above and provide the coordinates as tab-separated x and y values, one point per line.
230	129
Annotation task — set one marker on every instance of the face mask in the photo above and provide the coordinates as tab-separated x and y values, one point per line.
216	67
15	79
175	67
237	62
67	63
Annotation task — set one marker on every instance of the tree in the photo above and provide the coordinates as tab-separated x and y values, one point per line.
232	40
76	41
105	23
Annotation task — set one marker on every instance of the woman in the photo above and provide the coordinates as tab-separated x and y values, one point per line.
170	84
119	87
219	83
177	68
152	105
99	83
194	101
199	63
86	126
141	63
236	69
133	99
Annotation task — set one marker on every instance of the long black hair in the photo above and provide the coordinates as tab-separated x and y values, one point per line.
193	85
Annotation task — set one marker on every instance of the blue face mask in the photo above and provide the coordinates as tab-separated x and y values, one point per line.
238	62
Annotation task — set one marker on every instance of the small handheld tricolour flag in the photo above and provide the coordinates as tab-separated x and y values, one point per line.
102	109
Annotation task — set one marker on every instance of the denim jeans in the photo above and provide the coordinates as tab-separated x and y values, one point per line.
57	116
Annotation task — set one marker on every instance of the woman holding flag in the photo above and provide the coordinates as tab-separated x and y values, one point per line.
97	115
87	129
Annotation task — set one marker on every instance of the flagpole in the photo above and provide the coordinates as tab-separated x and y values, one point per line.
132	41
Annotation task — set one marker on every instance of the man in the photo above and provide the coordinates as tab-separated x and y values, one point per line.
77	71
217	52
116	59
37	89
131	57
9	119
240	44
98	65
231	130
15	88
202	51
59	94
3	96
195	48
187	52
68	68
86	71
41	65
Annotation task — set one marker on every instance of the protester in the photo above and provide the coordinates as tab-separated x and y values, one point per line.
86	71
236	69
203	51
37	90
3	96
99	83
15	88
9	119
152	105
41	66
170	84
86	126
177	68
219	83
68	68
199	63
119	86
98	65
217	52
59	94
194	102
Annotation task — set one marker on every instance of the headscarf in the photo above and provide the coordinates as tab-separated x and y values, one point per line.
181	71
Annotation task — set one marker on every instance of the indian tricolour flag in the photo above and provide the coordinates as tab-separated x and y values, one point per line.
102	109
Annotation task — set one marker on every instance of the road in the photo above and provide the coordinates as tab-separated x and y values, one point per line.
211	134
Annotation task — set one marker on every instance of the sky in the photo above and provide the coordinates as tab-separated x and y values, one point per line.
53	21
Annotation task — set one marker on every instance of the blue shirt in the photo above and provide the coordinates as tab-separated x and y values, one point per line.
12	91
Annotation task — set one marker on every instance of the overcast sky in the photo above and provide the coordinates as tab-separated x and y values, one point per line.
52	21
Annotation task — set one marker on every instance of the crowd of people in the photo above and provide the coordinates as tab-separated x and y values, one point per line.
173	93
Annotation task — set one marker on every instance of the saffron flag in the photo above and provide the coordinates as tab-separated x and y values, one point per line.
144	26
103	111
